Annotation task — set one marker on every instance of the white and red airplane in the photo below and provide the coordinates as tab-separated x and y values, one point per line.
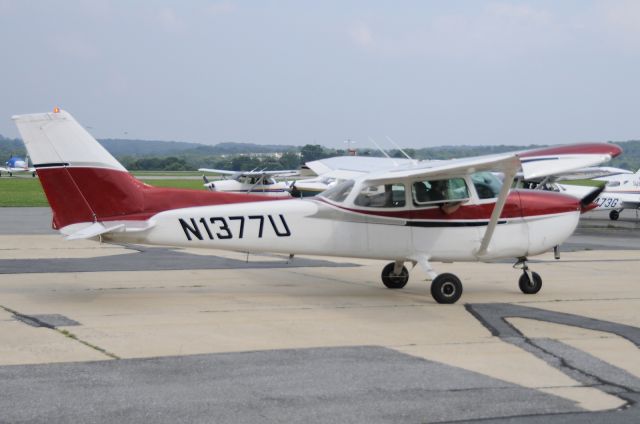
446	211
621	191
257	182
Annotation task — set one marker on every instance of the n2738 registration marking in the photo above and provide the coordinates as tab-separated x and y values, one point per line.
228	227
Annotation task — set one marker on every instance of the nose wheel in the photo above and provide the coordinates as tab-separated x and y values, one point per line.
530	282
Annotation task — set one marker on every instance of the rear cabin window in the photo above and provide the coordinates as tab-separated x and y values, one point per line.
382	196
487	185
439	191
338	192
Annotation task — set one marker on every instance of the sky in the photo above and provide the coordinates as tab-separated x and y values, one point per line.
425	73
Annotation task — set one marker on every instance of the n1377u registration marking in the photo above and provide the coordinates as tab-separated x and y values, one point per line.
220	227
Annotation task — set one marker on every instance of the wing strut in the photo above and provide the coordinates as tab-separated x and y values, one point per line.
509	176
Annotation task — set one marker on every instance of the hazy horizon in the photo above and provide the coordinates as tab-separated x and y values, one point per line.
426	74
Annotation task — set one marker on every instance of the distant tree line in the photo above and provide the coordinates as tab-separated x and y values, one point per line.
137	155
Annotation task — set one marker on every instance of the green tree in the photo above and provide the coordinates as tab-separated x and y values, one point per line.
311	152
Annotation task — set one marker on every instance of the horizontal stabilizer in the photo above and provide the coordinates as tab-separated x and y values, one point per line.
94	230
101	228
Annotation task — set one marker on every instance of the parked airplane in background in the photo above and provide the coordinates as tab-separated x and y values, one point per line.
453	210
257	182
621	191
17	165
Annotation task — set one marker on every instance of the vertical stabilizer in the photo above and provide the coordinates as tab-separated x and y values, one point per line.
82	181
84	184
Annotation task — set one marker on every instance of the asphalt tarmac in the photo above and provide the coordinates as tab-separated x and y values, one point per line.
102	333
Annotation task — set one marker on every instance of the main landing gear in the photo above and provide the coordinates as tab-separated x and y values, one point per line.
614	215
446	287
395	275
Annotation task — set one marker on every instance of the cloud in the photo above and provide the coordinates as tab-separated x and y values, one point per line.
168	20
73	46
361	34
621	19
220	8
496	27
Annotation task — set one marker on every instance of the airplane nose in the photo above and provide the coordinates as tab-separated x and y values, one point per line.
551	218
539	202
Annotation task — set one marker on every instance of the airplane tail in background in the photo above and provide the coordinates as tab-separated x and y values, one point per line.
84	184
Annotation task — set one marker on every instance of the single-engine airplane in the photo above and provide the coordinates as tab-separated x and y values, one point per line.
621	191
17	165
258	182
452	210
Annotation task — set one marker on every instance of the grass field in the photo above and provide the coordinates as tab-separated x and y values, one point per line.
23	191
167	173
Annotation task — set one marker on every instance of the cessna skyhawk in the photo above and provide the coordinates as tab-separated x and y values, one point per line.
258	182
443	211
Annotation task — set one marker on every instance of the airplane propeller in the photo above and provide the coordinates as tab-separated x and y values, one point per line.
586	203
293	190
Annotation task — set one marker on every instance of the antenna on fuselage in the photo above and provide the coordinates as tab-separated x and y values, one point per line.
379	148
400	148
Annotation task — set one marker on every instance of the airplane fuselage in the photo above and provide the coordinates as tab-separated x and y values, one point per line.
318	227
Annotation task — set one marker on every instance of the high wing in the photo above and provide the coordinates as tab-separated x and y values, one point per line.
357	165
536	163
447	168
548	161
283	173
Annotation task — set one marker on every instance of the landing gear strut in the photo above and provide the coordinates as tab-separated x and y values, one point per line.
614	215
530	282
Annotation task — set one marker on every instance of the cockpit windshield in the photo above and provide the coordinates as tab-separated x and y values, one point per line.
487	184
338	192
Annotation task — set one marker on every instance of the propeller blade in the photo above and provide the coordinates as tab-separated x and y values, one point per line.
587	201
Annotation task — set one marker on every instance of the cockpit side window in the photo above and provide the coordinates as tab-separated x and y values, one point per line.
439	191
487	185
382	196
338	192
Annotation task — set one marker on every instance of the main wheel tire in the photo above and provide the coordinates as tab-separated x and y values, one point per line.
614	215
446	288
530	287
392	281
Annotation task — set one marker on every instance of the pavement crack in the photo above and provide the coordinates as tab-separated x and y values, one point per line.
35	322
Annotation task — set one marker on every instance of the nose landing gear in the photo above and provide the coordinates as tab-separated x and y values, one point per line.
530	282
